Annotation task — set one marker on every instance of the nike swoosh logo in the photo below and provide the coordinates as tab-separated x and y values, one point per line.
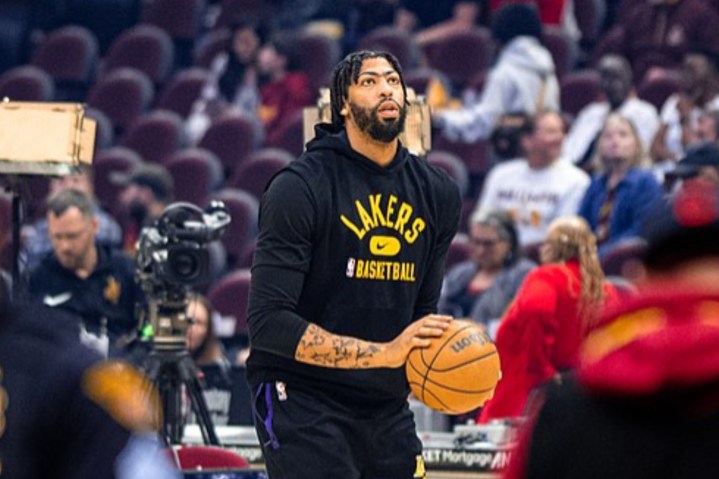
381	246
56	300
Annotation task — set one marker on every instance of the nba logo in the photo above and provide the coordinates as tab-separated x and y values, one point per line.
350	267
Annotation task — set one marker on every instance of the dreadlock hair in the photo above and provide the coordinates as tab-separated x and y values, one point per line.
347	72
571	238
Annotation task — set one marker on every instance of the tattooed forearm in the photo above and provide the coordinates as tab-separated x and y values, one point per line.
322	348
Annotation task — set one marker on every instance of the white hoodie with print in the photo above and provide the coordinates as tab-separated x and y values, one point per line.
513	85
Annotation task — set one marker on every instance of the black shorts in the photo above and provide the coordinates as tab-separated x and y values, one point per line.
313	436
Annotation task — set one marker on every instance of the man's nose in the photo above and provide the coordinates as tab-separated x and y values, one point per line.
385	88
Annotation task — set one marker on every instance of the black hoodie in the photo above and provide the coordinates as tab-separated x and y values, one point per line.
354	247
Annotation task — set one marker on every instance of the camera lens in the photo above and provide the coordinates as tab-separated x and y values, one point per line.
186	265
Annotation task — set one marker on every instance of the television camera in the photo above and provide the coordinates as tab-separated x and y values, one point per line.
172	257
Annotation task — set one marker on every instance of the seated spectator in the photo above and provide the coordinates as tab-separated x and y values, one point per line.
658	33
707	128
482	287
148	190
202	343
615	75
538	188
522	80
699	90
623	189
37	243
466	15
284	89
539	337
225	390
699	166
233	82
94	283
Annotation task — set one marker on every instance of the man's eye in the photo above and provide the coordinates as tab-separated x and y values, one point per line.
368	81
393	80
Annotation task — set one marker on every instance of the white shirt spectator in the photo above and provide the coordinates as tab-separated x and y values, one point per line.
590	120
670	117
534	197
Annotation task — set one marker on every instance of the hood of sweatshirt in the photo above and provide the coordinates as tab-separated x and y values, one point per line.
527	53
663	341
330	139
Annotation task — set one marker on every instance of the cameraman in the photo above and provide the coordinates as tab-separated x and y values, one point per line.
93	283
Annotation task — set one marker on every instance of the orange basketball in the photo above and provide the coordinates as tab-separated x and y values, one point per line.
457	372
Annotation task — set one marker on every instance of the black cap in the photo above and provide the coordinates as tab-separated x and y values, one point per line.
151	175
706	154
684	228
515	20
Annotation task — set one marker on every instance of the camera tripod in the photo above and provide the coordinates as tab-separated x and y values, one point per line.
170	367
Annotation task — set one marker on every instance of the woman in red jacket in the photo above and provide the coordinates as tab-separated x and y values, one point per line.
540	334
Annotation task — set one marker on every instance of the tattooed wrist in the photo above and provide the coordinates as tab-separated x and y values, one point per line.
322	348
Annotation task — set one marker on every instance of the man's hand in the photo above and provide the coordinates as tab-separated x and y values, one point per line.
416	335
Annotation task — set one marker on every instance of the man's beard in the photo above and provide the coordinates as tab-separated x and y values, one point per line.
368	121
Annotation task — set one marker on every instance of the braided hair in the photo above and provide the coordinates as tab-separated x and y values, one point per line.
347	73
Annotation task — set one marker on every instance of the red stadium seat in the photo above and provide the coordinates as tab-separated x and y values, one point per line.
230	296
193	458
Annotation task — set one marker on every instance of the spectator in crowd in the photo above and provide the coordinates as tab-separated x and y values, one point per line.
94	283
539	337
623	188
644	400
539	188
425	16
699	90
224	396
482	287
466	15
68	414
522	80
233	83
659	33
284	88
550	12
202	342
699	166
37	243
148	189
615	75
707	128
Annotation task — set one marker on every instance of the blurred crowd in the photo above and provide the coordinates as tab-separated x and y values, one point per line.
558	119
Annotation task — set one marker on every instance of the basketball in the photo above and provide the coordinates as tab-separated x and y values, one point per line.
457	372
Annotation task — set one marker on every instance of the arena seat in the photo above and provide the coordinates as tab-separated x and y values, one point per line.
26	83
197	172
123	95
206	457
155	135
70	55
181	91
230	295
146	48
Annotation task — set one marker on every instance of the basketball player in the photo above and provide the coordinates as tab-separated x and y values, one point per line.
645	400
347	273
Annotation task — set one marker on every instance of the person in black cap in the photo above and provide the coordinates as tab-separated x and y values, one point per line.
645	401
522	80
701	164
148	190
